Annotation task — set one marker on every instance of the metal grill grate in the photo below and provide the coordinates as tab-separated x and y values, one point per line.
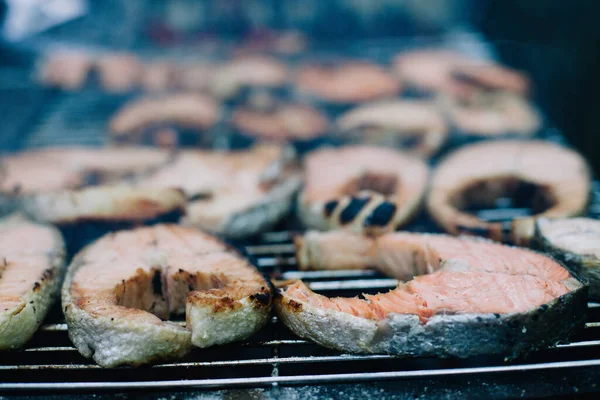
275	357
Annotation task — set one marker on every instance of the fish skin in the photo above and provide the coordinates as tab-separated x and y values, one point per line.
20	319
586	266
114	314
422	333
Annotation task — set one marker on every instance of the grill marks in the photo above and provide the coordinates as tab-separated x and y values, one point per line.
366	189
381	215
353	208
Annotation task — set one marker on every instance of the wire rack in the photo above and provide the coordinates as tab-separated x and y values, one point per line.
275	362
274	357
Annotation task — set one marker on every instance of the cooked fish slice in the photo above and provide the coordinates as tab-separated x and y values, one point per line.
119	290
345	83
552	180
440	70
574	241
195	76
158	76
188	110
103	203
74	167
247	72
491	114
234	194
66	185
415	126
283	123
361	188
464	297
31	271
67	70
119	72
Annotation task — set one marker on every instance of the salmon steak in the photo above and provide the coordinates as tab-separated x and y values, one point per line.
68	185
446	71
247	72
31	271
412	125
67	70
137	118
281	123
361	188
550	180
119	72
574	241
490	113
345	83
234	194
458	297
120	291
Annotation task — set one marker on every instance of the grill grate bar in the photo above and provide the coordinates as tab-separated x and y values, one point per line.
271	249
354	284
270	262
63	327
298	379
276	359
343	273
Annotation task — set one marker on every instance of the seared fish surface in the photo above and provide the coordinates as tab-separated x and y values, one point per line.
361	188
235	194
31	270
415	126
67	185
463	297
120	289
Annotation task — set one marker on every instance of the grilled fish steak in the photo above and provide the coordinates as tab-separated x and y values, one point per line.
31	271
286	122
361	188
66	70
574	241
415	126
495	113
439	70
552	180
351	82
234	194
120	289
66	185
465	297
119	72
187	110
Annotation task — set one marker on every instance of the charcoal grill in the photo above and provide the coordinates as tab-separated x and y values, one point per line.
275	363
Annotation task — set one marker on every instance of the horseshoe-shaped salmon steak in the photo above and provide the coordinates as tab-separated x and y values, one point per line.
464	297
120	290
